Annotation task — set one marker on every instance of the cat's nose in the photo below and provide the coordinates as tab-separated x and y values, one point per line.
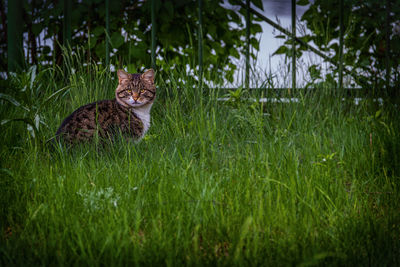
135	96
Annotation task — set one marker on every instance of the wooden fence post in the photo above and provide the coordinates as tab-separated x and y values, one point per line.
341	33
387	48
153	34
15	52
108	34
200	42
293	45
247	74
67	23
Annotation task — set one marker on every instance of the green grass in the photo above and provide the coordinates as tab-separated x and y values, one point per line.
212	183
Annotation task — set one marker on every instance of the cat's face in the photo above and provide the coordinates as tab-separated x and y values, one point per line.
135	90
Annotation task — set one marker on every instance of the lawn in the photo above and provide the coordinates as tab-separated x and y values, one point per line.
213	183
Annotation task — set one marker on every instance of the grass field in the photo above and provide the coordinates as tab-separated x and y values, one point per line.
213	183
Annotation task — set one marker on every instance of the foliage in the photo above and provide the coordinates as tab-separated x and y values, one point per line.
309	183
364	37
29	100
130	33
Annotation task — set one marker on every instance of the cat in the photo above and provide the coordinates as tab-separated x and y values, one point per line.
127	114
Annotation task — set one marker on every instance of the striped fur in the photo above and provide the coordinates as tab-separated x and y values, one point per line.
128	114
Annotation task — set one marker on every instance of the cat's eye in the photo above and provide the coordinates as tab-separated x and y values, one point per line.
129	91
142	91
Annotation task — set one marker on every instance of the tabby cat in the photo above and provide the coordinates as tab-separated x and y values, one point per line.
128	114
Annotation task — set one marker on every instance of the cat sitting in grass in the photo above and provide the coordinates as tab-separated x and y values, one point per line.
128	114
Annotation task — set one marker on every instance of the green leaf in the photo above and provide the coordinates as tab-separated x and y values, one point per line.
255	28
169	8
138	52
281	50
37	29
98	31
31	125
11	100
93	42
46	49
378	113
280	36
116	40
234	53
55	94
255	43
132	68
100	50
32	73
305	38
334	46
258	3
315	72
364	62
212	29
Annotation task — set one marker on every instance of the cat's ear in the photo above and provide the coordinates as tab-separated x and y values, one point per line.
148	75
122	75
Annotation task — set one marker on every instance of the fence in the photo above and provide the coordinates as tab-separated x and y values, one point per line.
15	48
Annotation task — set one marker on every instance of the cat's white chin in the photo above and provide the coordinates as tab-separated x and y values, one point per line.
136	104
130	103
